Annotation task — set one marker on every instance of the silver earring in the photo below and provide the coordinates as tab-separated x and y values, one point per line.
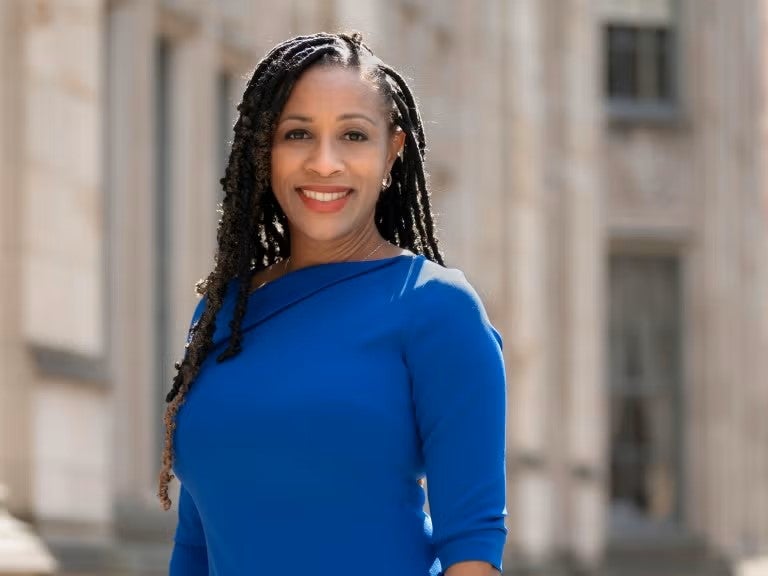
387	182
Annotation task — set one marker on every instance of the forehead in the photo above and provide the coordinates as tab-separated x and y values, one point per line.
333	90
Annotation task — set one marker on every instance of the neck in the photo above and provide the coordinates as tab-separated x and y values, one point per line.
309	252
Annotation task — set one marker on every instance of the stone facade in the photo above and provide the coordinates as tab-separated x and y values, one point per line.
552	203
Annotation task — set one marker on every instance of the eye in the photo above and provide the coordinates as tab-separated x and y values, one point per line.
356	136
296	135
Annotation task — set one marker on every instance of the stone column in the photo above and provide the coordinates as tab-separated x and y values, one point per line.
584	262
131	185
477	154
759	285
15	371
530	487
747	100
194	166
728	100
726	76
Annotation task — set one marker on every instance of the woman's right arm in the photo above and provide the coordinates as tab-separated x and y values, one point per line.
190	553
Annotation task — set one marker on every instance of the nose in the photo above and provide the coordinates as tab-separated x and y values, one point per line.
324	159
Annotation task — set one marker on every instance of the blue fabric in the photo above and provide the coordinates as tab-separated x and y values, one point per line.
301	455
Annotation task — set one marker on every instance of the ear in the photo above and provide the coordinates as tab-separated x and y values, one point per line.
396	144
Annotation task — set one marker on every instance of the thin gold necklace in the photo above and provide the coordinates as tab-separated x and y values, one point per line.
288	259
371	253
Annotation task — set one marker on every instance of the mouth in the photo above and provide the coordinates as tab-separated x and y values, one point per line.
324	199
324	193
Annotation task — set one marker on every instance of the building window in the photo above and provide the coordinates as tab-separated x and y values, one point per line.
639	64
645	371
640	54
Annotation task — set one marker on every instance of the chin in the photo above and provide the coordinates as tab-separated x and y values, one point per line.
324	231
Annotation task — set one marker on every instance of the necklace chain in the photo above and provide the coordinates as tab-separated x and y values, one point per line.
288	259
371	253
375	250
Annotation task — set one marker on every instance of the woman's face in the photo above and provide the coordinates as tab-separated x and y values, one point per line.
331	150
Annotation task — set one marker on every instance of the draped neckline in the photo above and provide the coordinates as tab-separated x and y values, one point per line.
291	288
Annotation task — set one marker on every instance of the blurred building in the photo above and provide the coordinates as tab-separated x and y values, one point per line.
599	170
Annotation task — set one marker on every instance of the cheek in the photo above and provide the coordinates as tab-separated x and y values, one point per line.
279	167
370	163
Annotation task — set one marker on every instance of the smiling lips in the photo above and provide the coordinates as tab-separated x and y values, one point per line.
321	198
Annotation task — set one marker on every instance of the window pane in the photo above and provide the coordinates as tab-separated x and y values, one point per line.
664	64
645	357
622	61
639	64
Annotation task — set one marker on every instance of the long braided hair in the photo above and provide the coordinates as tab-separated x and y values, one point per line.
253	231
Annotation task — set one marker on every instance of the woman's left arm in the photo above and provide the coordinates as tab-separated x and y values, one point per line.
454	357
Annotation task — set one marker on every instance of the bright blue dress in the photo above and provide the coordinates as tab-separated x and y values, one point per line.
302	454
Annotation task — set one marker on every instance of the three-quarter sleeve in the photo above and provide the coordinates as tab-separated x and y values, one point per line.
454	357
190	554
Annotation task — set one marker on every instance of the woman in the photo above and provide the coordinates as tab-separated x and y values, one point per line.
333	361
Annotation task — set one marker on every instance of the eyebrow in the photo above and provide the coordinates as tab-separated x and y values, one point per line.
349	116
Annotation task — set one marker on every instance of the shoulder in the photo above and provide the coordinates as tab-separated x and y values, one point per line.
436	297
434	287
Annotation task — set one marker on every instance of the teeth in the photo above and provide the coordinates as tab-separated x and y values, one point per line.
324	196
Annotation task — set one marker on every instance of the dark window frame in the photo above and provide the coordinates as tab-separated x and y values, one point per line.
649	90
632	389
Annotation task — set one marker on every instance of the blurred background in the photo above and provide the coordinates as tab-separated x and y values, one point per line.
599	172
